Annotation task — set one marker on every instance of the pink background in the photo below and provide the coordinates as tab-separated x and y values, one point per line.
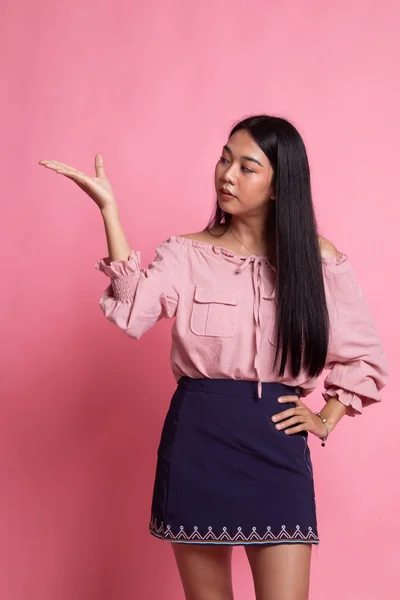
155	87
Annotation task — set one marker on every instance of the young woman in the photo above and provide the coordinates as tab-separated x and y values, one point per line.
261	305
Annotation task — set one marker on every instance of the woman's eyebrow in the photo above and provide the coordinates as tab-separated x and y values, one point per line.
243	157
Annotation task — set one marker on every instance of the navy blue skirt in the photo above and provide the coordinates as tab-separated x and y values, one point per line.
225	474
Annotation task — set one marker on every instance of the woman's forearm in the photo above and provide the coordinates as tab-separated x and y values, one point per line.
118	247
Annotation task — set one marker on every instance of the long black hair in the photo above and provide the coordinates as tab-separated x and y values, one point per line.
302	320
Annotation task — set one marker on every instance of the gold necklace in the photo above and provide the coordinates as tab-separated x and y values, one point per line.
244	245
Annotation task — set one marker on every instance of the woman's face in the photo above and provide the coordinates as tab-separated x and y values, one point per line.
245	171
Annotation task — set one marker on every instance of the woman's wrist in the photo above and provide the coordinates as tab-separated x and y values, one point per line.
110	211
324	436
333	411
330	415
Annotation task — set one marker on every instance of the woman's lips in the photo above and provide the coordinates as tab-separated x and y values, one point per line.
226	194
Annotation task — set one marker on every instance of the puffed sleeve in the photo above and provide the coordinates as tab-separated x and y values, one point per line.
137	298
356	359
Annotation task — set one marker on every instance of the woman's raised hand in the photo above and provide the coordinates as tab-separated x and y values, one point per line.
98	188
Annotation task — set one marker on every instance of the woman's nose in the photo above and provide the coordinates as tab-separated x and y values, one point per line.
229	175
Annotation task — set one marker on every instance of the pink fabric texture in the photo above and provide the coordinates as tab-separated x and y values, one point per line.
223	307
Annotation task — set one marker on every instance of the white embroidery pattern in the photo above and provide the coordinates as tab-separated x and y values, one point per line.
166	533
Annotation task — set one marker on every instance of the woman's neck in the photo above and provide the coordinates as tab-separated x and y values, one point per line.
250	236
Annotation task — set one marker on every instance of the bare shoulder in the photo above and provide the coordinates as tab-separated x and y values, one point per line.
327	249
199	235
204	236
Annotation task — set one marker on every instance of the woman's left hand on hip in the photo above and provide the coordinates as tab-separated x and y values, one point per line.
298	418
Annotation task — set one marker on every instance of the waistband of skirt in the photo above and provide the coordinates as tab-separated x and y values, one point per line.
236	387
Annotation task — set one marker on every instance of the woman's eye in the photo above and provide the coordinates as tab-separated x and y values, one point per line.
224	160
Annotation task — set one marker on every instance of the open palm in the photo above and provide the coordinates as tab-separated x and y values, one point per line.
98	188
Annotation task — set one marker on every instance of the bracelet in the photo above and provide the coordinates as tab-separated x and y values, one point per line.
325	437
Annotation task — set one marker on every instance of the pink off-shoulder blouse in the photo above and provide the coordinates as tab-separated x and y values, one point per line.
223	307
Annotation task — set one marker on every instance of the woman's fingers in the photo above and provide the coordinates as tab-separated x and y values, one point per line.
294	399
290	422
52	164
285	414
79	179
99	165
73	174
59	167
66	170
296	429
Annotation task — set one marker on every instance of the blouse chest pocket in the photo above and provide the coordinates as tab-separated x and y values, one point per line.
214	311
